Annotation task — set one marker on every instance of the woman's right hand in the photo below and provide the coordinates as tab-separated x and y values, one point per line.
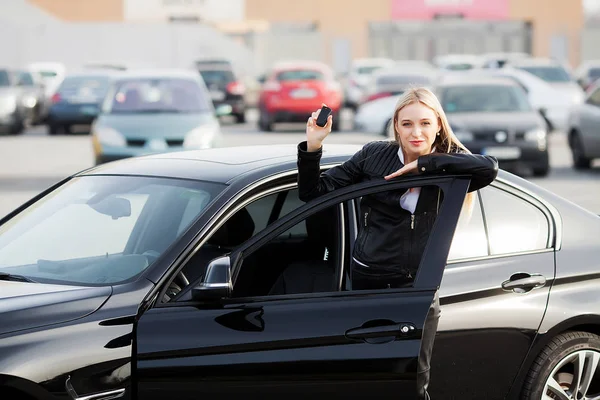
316	134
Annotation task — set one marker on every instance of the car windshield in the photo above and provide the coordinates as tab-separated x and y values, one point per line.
300	75
484	98
84	89
154	95
4	78
26	79
217	77
101	230
549	74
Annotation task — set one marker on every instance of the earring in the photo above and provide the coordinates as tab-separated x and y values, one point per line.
438	134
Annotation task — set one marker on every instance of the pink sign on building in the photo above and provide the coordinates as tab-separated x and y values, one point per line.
469	9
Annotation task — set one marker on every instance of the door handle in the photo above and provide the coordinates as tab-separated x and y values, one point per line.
522	283
380	331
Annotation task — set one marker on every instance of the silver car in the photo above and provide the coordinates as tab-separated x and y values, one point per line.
584	129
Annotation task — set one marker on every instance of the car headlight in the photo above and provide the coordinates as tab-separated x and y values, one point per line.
109	137
535	135
464	136
29	101
8	104
202	137
578	97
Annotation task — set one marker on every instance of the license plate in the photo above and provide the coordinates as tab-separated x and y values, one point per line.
303	94
89	110
503	153
217	95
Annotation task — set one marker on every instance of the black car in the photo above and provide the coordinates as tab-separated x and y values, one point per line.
225	88
202	275
493	116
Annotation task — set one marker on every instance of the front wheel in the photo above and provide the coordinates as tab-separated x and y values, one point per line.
568	368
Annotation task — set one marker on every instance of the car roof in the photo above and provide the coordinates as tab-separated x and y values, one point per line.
535	62
222	165
300	64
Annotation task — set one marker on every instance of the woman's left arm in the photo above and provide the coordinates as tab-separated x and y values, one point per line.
483	169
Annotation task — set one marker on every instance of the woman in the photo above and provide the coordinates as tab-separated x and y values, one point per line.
396	224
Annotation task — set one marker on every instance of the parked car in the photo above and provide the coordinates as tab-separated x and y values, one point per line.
374	117
395	80
51	73
584	129
33	96
542	96
493	116
226	90
587	73
155	111
14	112
358	76
555	73
459	62
293	90
78	100
202	274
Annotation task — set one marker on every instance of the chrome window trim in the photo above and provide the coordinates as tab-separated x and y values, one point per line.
498	256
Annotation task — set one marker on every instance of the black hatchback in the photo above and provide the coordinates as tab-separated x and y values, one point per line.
226	90
202	275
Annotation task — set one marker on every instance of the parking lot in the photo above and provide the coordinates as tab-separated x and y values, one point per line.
31	162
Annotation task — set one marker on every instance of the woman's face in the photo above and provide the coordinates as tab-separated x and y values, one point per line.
417	126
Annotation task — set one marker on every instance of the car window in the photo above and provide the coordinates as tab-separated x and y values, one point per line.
153	95
470	239
514	225
83	89
484	98
594	97
85	232
549	73
4	78
217	77
25	79
300	75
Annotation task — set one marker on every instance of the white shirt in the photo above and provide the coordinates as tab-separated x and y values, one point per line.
409	200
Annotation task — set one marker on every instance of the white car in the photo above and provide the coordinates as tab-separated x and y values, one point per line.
541	95
359	76
375	116
555	74
459	62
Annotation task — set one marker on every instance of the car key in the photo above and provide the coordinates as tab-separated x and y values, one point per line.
323	115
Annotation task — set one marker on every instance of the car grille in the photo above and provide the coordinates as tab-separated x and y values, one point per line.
489	135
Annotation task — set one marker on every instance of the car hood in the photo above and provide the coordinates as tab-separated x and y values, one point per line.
162	125
31	305
493	120
9	91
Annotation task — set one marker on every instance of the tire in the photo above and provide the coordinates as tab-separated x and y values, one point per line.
265	123
335	125
53	129
579	160
240	118
554	365
386	127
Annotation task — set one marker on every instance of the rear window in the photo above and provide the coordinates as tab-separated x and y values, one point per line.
549	74
484	98
301	75
84	88
217	77
366	70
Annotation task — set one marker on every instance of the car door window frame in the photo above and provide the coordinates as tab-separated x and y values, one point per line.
425	279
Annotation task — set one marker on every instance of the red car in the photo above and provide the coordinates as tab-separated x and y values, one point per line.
293	90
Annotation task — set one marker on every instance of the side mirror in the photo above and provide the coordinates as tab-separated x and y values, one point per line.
217	283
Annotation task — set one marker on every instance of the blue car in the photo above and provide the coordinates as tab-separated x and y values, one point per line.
77	100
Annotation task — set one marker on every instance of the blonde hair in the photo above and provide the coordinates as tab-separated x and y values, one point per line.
445	142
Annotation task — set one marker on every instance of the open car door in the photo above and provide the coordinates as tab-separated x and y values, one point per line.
339	343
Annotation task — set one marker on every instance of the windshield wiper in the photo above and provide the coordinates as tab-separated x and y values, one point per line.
5	276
